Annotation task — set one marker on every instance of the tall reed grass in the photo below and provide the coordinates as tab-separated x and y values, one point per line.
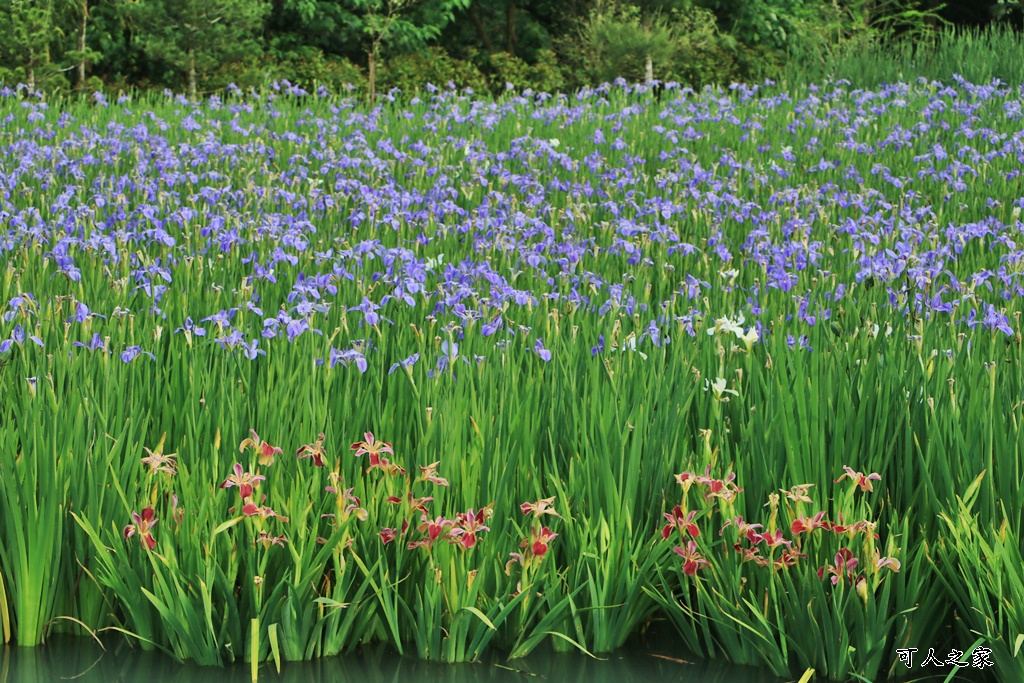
978	55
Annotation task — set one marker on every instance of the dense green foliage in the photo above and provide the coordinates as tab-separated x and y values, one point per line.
194	37
200	47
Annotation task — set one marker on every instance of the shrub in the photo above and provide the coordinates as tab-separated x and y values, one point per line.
311	69
409	73
543	76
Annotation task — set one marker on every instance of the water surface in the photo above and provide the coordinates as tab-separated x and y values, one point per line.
84	661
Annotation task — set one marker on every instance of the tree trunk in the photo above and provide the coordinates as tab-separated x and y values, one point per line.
191	74
81	44
510	27
485	37
648	62
371	63
30	72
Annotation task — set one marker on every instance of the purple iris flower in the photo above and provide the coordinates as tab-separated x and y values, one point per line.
133	352
189	326
18	337
655	334
544	354
251	349
802	341
449	352
221	318
407	363
20	303
346	357
83	313
67	266
368	309
296	328
487	329
993	320
231	340
95	343
306	308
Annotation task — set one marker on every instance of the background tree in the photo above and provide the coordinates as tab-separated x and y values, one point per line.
296	28
407	24
521	28
1008	10
644	39
74	17
28	31
196	36
619	41
657	19
539	44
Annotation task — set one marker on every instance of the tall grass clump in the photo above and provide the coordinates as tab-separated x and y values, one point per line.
976	55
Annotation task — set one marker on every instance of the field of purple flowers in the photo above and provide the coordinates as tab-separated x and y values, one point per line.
281	375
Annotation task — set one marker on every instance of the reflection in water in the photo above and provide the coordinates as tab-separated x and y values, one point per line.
83	661
65	658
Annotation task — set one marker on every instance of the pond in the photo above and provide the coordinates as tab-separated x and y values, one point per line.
84	661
